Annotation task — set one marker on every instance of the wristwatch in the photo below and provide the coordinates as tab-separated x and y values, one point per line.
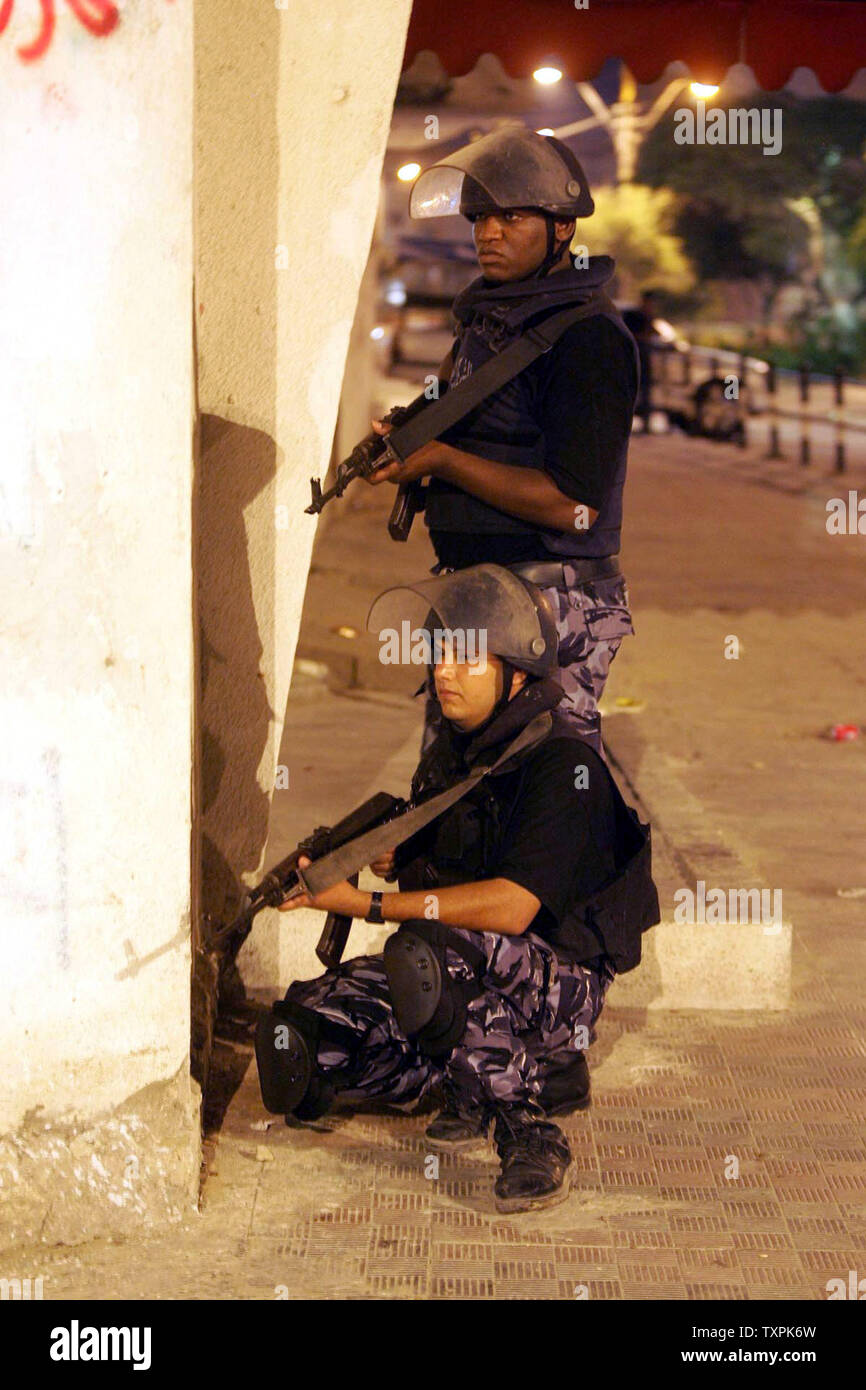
375	913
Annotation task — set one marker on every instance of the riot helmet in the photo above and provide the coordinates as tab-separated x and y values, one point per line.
509	168
485	607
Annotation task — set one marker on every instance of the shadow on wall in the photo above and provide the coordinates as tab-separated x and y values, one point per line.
237	463
240	109
242	117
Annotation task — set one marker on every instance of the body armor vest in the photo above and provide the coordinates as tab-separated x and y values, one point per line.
463	846
503	429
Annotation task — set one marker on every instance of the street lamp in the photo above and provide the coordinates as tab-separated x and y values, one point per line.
703	90
627	119
547	76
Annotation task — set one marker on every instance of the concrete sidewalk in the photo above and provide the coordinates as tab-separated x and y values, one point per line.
723	1155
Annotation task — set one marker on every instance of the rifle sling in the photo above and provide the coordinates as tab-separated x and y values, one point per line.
355	854
437	417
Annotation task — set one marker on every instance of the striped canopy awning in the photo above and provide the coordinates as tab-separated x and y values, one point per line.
772	36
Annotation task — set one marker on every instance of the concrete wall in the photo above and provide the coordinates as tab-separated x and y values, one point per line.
135	591
293	110
98	1117
361	374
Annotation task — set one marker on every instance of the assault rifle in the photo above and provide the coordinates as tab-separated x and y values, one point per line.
338	852
366	458
440	414
285	880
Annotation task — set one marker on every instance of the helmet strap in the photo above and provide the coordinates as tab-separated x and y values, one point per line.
553	253
503	701
507	684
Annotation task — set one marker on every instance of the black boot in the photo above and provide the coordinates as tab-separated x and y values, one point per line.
536	1164
566	1087
458	1128
318	1099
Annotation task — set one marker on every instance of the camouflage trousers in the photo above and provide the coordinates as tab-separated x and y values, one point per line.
592	619
533	1013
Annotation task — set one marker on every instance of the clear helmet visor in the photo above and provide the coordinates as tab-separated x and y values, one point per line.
436	193
511	168
481	611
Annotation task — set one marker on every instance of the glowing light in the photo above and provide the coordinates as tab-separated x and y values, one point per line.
545	130
407	172
703	89
396	293
547	76
377	332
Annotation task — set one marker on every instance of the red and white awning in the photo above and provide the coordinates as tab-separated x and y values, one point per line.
772	36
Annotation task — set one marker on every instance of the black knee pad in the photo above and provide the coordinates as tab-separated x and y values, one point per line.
285	1054
287	1040
430	1006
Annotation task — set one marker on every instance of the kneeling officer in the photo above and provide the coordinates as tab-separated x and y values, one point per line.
516	907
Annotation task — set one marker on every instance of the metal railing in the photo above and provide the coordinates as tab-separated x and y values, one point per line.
792	402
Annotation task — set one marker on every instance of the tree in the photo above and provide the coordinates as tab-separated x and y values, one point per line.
633	224
857	248
774	219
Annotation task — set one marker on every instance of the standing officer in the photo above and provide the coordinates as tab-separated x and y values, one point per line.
533	477
640	322
516	907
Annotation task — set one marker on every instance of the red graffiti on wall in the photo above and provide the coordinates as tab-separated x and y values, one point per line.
99	16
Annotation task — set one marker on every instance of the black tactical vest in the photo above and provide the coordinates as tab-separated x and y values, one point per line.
463	845
503	429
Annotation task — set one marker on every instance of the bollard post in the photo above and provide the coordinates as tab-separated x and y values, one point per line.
742	397
839	393
805	446
773	452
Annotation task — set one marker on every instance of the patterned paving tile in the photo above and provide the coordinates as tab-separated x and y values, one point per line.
643	1239
652	1216
638	1290
460	1288
594	1289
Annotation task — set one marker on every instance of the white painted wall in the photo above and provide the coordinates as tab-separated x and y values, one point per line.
96	418
293	111
97	542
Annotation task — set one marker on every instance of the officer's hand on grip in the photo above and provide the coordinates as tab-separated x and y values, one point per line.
343	900
383	867
423	463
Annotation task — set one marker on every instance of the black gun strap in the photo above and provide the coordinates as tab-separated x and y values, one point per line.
347	859
496	372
